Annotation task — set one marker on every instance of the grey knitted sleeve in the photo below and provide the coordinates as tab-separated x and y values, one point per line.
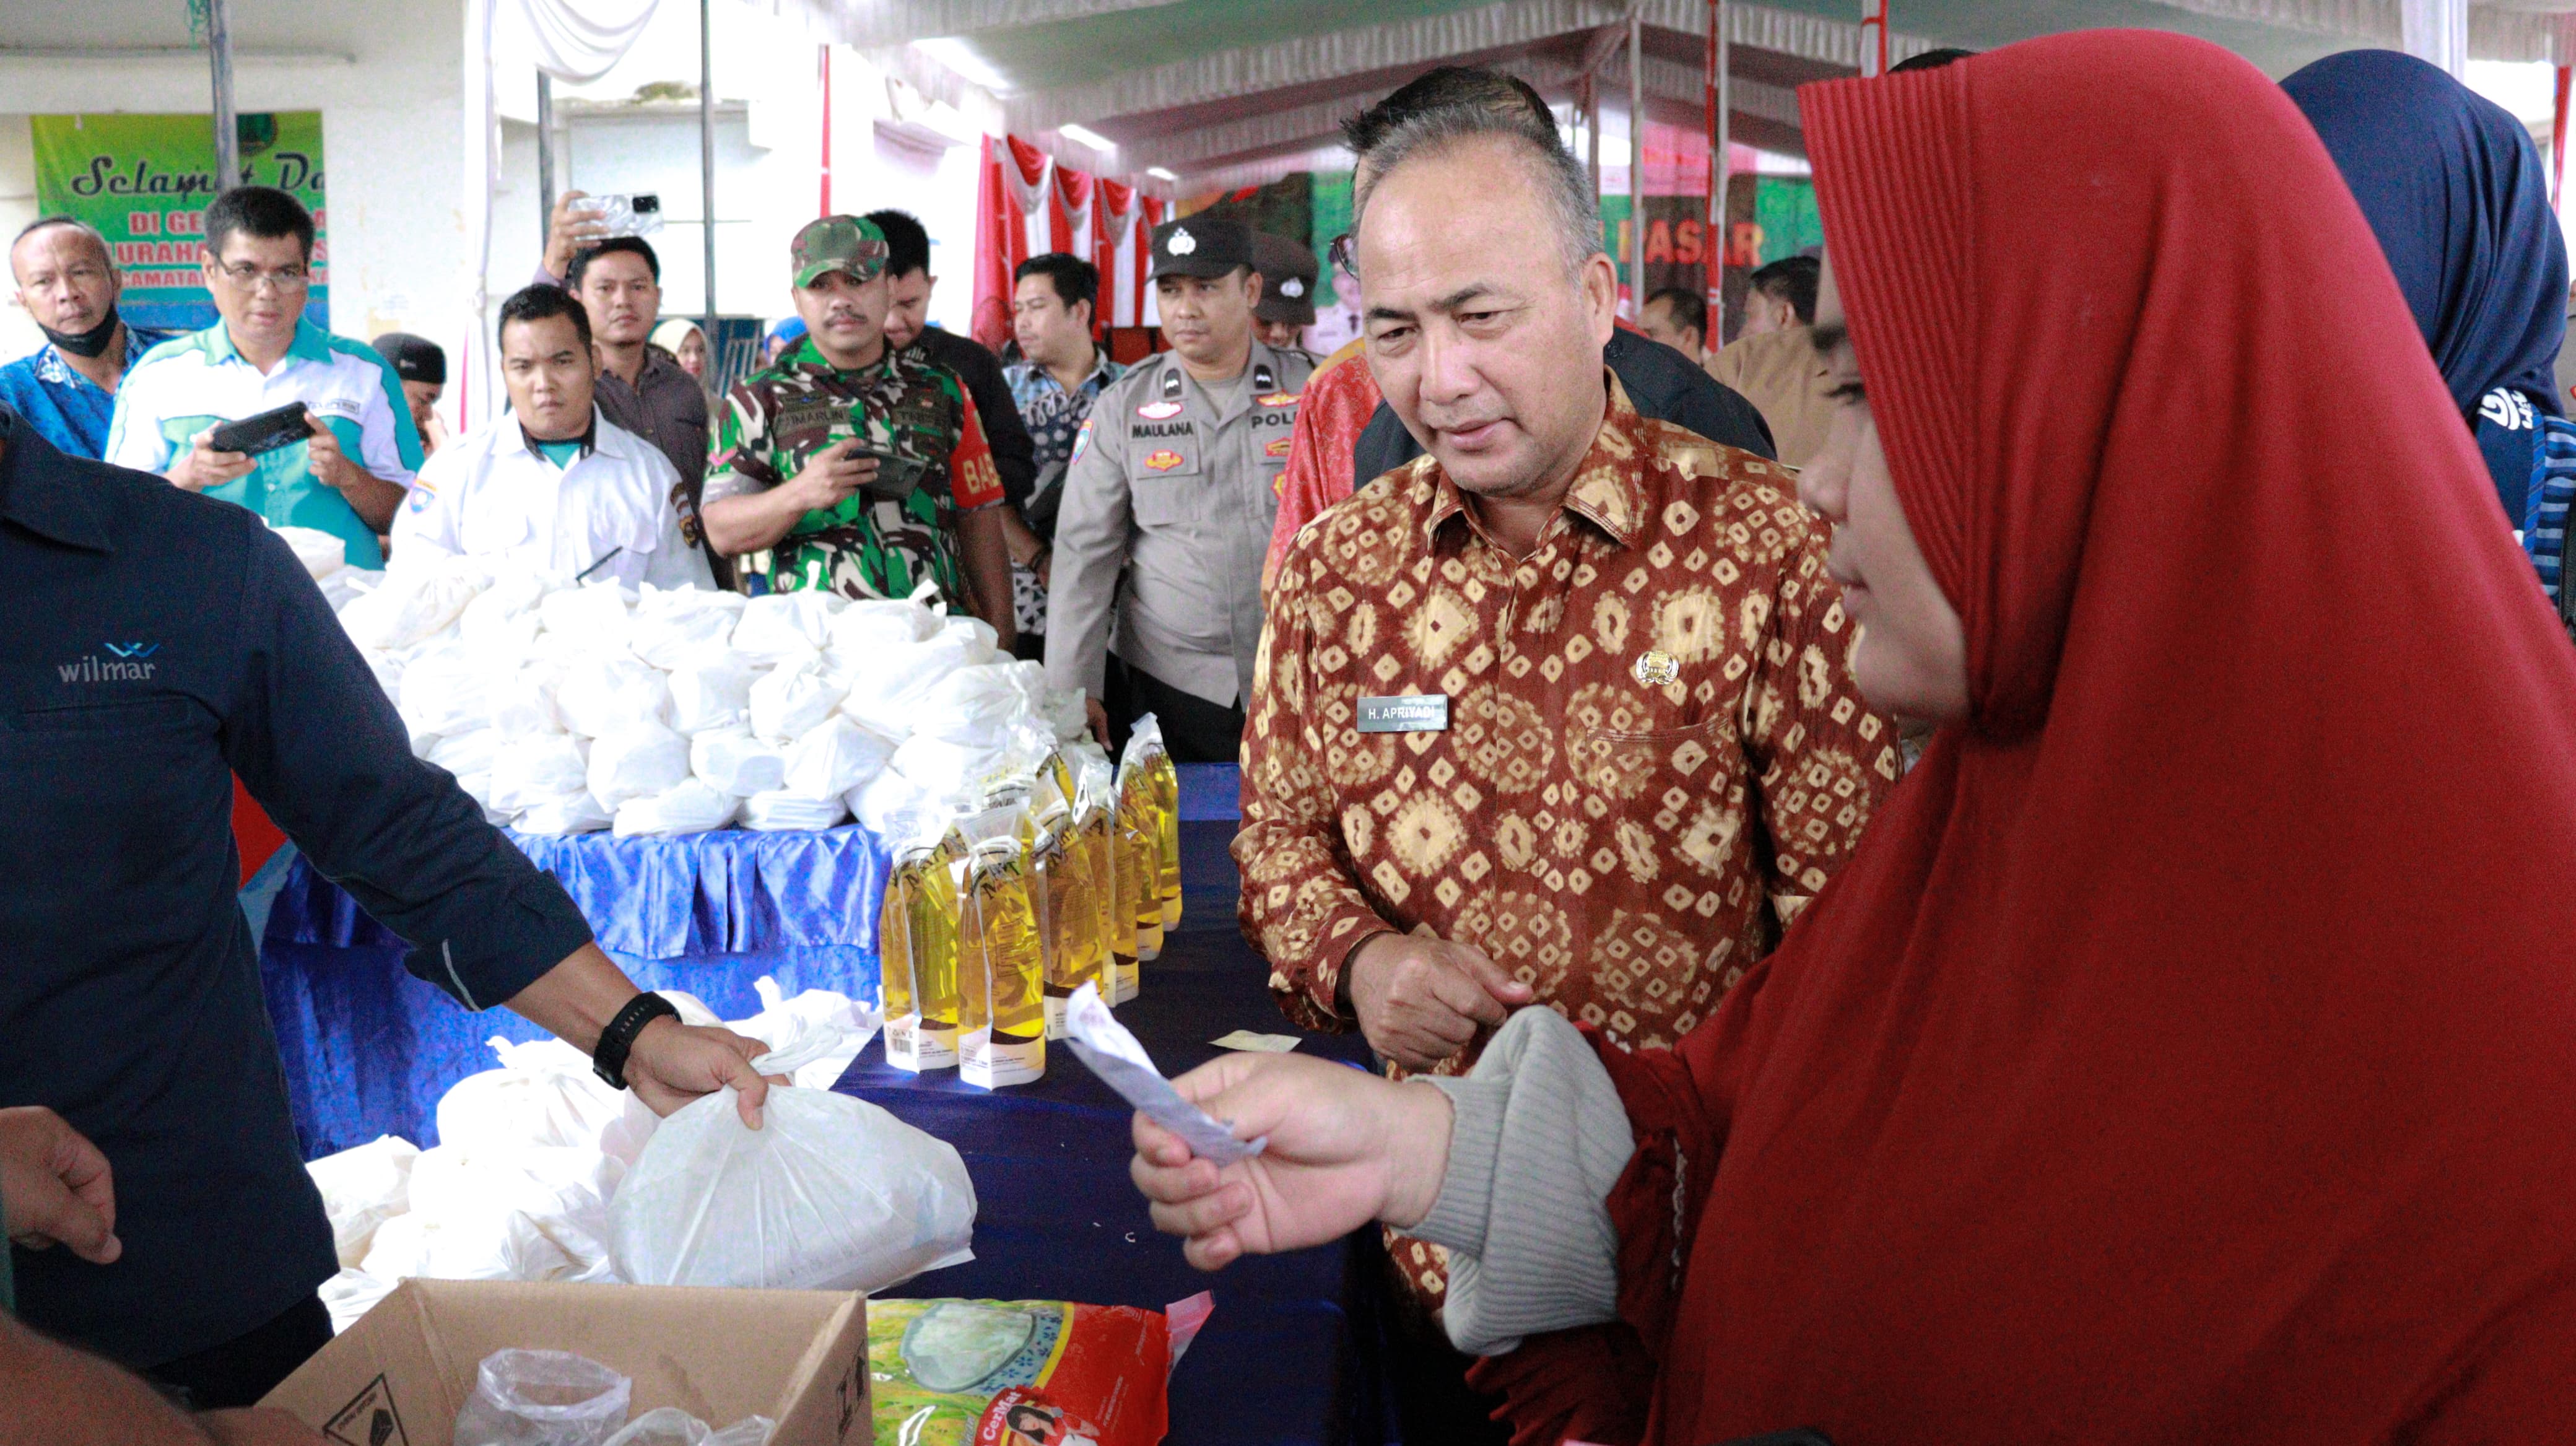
1539	1112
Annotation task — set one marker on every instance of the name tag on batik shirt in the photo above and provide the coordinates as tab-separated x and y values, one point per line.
1415	713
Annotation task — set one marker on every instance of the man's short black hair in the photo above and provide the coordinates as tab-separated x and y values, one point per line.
635	245
536	303
1074	279
1441	88
907	245
1688	307
1791	279
261	211
1931	60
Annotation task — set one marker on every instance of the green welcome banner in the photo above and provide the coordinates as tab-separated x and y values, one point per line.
145	180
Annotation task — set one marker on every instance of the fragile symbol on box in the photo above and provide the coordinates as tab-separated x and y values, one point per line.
369	1419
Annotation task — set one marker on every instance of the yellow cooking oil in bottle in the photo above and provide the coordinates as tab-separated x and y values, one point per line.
1140	847
1001	964
1166	778
1096	824
1068	913
924	1037
894	944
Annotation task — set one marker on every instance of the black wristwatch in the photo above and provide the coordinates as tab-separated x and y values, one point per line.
609	1059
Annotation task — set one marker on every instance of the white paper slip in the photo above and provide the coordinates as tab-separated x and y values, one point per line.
1113	1054
1246	1040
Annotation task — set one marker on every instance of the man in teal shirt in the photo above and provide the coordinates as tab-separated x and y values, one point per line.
351	474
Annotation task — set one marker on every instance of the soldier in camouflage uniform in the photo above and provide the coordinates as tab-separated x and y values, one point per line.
847	466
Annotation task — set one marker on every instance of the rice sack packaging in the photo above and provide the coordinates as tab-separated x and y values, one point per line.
1024	1372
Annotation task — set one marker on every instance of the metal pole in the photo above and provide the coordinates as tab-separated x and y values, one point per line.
707	163
1721	163
1592	134
219	53
545	151
1636	164
825	52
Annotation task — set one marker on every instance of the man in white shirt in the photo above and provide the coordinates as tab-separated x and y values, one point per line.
553	485
348	476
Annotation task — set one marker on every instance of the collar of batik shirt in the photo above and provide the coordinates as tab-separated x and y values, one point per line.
1610	489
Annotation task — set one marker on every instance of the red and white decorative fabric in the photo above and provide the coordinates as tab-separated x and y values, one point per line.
1029	205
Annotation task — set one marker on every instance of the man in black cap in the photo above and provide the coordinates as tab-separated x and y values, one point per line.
422	368
1287	305
1168	504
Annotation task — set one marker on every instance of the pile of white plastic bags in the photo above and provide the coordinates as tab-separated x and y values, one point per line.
563	707
532	1158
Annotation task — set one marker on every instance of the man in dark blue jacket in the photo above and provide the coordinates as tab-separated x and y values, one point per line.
159	643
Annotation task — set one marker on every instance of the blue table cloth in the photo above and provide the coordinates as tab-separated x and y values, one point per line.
369	1051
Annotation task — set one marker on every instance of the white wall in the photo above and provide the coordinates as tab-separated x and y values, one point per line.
386	75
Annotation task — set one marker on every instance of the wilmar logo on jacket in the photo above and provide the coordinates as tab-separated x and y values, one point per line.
125	663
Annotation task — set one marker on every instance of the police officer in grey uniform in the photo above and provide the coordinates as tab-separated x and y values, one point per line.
1168	505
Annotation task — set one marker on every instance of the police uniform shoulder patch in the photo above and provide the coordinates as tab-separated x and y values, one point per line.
1263	378
1171	385
1081	442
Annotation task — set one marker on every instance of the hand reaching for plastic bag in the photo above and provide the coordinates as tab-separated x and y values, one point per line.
1345	1148
674	1063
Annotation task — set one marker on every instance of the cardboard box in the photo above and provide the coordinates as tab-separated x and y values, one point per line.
399	1376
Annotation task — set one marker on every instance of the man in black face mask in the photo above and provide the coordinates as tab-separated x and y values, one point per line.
68	283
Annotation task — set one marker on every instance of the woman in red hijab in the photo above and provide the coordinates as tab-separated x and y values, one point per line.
2189	1052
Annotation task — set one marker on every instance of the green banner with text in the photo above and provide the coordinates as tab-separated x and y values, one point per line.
145	180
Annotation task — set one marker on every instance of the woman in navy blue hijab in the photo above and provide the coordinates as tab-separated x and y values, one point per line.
2454	189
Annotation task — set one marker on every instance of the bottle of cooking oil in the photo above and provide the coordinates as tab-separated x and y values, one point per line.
1166	779
1001	966
1140	848
1068	913
1096	824
921	1031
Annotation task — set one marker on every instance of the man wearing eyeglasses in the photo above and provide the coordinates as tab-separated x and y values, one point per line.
350	474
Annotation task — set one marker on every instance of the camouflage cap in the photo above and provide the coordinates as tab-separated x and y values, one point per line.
838	243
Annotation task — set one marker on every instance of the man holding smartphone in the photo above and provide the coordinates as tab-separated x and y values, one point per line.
850	466
350	471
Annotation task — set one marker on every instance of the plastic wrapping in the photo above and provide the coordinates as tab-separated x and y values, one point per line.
445	689
975	1372
601	614
637	761
833	758
604	692
669	632
786	627
689	806
831	1193
578	813
543	1398
412	604
792	700
711	689
733	762
539	769
1001	963
362	1188
776	811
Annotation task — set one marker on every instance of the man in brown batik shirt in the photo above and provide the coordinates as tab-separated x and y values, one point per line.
1561	712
